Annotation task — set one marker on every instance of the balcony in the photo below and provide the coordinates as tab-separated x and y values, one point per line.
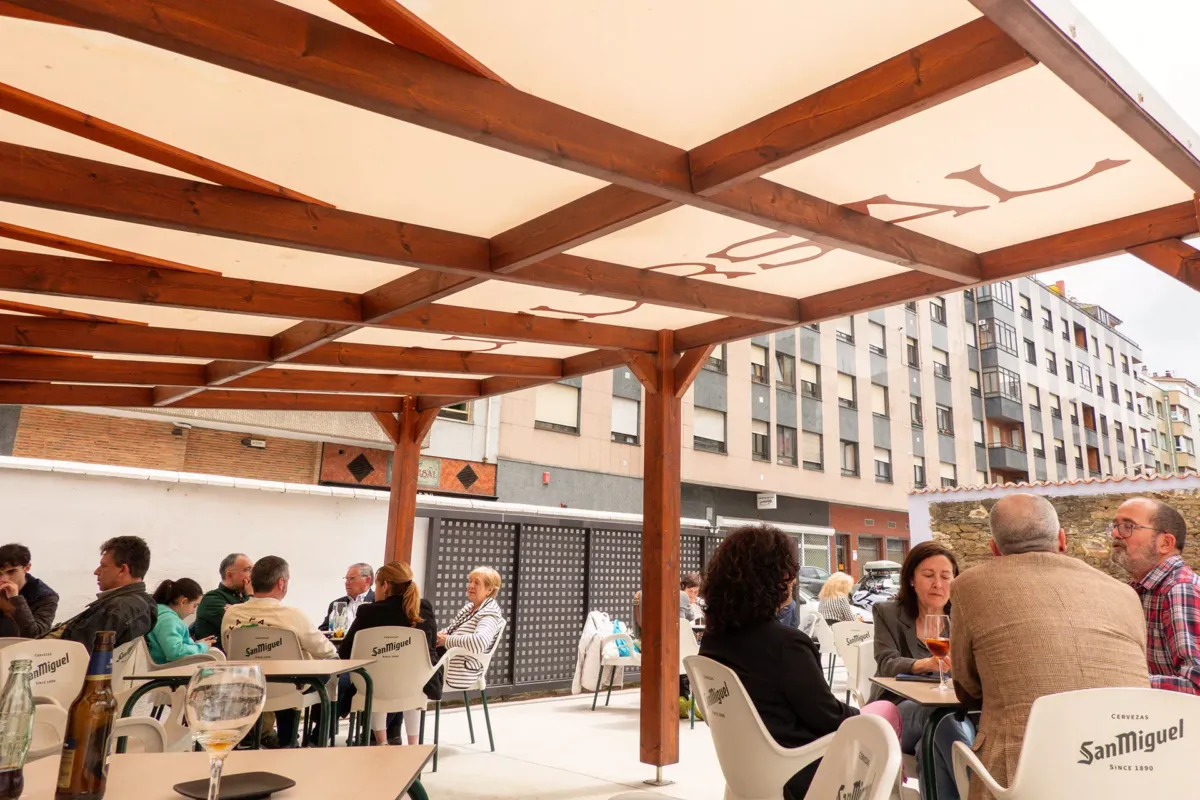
999	406
1090	437
1007	458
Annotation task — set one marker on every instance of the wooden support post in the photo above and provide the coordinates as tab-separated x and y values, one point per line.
665	386
402	505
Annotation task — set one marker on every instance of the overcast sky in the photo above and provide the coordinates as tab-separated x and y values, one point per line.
1158	38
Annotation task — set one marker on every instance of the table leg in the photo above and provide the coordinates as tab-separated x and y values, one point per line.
928	769
368	697
326	706
138	694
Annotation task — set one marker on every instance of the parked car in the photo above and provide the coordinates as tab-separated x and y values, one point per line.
880	581
812	579
806	609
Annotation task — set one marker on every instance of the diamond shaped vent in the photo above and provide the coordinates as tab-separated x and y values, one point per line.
467	477
360	467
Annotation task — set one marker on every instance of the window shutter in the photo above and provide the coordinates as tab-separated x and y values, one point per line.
758	355
877	335
883	456
759	427
625	414
948	471
845	325
845	386
708	424
879	403
557	404
809	372
812	448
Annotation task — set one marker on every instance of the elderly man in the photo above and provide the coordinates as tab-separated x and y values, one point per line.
34	603
1033	622
359	580
233	589
1148	537
122	606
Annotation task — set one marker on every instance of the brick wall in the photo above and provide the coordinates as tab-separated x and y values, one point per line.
963	526
98	439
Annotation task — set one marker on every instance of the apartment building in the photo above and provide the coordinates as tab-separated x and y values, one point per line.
1180	400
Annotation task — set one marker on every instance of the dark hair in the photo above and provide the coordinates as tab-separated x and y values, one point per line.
1164	518
129	551
267	572
748	577
228	562
15	555
689	581
907	599
169	591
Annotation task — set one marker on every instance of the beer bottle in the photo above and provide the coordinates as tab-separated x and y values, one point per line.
16	727
82	772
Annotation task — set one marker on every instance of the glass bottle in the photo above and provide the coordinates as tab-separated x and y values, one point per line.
16	727
83	772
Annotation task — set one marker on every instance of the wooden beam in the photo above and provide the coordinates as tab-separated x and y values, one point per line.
61	313
413	424
645	367
389	424
1174	257
61	394
362	71
306	380
660	564
941	69
47	112
9	10
689	366
6	350
40	369
22	234
1098	84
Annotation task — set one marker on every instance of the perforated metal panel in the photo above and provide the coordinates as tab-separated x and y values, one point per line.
550	601
464	545
615	572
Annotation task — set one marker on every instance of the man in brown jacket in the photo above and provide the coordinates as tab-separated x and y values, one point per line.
1034	622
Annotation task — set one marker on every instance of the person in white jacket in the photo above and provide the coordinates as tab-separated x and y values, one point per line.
269	579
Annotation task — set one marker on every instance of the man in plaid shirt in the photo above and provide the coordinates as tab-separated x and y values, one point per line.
1148	537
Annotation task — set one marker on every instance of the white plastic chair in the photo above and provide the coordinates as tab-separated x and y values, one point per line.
59	666
755	766
846	638
634	659
827	644
147	730
49	728
281	644
479	686
5	641
865	666
399	673
861	762
1085	744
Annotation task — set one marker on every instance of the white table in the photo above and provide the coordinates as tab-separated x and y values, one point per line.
365	773
942	703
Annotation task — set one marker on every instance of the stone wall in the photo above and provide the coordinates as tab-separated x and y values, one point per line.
963	525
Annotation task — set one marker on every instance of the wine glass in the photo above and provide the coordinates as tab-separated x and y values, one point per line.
937	639
223	703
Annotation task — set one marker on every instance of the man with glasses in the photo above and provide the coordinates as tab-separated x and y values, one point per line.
1148	537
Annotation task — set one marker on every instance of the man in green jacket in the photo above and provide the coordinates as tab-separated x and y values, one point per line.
233	589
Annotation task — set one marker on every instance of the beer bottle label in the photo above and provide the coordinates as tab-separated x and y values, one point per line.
65	763
100	667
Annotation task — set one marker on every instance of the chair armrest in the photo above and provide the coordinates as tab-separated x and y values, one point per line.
616	637
42	700
199	658
453	652
964	758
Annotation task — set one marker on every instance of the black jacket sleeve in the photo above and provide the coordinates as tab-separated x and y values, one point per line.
807	692
37	619
347	643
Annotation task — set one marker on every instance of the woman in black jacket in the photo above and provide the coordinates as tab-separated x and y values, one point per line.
749	579
397	603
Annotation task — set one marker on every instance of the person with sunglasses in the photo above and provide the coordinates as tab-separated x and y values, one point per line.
1148	537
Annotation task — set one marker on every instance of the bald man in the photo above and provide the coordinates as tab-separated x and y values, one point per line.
1032	622
1148	537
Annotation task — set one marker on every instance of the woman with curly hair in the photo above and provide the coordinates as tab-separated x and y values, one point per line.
747	582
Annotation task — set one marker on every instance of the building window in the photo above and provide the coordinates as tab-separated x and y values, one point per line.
941	364
879	400
1184	444
626	419
716	361
949	474
1031	352
912	352
1055	406
1051	362
910	307
1035	397
460	412
556	408
918	472
1078	457
976	391
1113	394
758	364
1070	371
1110	355
1180	414
977	432
999	292
1074	413
1002	382
945	420
972	336
1081	338
850	459
1118	432
1047	319
883	465
878	338
1060	451
1104	424
1066	330
1095	347
1085	377
915	414
845	329
708	430
1129	399
937	310
810	380
996	334
847	391
1099	386
813	455
1026	307
785	445
785	371
760	440
1125	364
1039	444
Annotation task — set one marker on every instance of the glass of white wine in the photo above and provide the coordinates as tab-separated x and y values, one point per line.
223	703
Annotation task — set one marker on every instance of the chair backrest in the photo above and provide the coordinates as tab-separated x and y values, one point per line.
5	641
59	667
263	643
688	646
862	762
1109	744
49	727
401	667
754	765
129	659
847	636
147	730
824	635
865	669
486	658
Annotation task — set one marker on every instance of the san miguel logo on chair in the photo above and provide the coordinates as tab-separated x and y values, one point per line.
390	647
1130	742
857	791
49	667
716	694
263	648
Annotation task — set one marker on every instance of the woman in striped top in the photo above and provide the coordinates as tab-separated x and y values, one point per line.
474	628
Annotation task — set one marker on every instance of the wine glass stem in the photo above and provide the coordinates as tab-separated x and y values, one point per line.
215	765
941	674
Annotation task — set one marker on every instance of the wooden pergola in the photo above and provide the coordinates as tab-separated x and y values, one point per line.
646	188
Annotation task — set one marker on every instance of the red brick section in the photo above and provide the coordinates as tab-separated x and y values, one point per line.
853	520
98	439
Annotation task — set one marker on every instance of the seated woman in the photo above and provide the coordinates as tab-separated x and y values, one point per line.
749	579
474	628
169	639
834	605
925	580
397	602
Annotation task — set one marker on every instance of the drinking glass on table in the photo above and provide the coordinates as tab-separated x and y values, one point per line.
223	703
937	639
338	618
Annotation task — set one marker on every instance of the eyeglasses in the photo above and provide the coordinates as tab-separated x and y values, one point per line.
1123	530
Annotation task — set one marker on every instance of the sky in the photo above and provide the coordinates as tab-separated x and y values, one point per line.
1159	313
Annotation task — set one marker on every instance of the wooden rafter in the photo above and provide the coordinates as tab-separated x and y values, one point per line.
60	313
47	112
54	394
9	10
1174	257
389	424
20	233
